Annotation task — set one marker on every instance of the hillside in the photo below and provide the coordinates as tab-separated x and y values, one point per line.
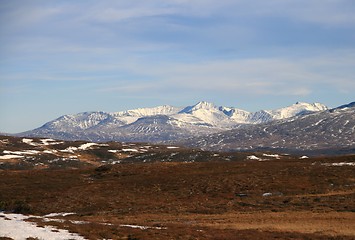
42	153
325	132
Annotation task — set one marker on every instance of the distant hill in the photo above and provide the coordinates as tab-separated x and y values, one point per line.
331	131
300	127
163	123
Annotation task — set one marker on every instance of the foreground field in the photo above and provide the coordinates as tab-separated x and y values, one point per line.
284	199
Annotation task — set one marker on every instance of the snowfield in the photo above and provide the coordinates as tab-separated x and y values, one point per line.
15	226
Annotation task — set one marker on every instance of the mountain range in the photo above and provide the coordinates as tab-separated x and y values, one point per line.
299	126
325	132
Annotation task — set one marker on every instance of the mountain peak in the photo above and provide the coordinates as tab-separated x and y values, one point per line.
132	124
204	105
200	105
299	108
316	105
143	112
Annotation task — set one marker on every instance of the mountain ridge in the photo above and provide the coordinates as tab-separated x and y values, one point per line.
300	126
202	113
328	131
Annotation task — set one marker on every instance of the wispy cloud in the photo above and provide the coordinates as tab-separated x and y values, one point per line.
177	50
262	76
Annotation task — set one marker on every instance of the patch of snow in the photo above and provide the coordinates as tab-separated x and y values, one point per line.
5	141
317	123
70	149
129	150
10	157
134	226
50	141
78	222
86	146
28	141
340	164
253	157
141	227
58	214
50	151
272	155
14	226
25	152
304	157
268	194
172	147
113	151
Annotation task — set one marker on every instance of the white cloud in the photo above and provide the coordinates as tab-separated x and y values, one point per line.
262	76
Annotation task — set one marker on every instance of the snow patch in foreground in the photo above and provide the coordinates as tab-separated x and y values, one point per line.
9	156
14	226
339	164
272	155
129	150
59	214
141	227
253	157
28	141
86	146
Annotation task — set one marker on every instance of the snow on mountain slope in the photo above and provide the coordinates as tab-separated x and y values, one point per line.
237	115
162	123
325	130
131	116
204	106
80	121
204	114
298	108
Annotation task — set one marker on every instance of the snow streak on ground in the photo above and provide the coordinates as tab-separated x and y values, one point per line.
10	157
141	227
340	164
14	226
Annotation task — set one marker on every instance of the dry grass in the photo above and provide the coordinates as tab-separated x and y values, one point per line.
211	200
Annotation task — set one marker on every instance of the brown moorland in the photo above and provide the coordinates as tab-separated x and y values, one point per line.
276	199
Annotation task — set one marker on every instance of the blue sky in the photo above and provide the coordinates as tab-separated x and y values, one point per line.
64	57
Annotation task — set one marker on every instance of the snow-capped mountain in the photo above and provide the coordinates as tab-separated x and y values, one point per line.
300	108
330	130
162	123
130	116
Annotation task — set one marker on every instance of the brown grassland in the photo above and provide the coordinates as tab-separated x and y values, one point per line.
305	199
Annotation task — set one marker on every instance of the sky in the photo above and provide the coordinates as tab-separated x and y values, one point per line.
62	57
